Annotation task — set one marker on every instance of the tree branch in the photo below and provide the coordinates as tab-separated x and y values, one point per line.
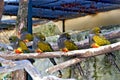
64	65
81	53
84	54
25	64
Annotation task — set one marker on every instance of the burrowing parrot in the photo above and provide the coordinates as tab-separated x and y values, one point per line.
65	44
25	36
97	40
18	45
41	45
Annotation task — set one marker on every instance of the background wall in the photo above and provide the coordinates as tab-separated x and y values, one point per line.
87	22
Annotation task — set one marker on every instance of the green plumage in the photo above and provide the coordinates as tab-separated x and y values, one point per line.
65	42
101	41
70	45
44	46
17	43
25	35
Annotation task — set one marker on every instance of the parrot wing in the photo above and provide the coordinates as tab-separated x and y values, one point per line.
70	45
100	40
44	46
26	36
23	46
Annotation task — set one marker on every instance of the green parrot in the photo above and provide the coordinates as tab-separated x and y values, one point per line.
65	44
18	45
25	36
98	40
40	45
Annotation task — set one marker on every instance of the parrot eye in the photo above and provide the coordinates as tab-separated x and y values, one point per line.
10	39
99	31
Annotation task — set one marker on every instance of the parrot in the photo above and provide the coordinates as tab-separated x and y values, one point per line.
96	40
25	36
65	44
41	45
18	45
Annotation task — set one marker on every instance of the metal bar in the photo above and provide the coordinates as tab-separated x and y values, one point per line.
63	25
29	22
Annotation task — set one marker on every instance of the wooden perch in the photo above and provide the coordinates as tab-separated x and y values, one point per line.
17	65
84	54
25	64
80	53
63	65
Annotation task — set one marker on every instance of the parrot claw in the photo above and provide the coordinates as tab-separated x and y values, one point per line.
65	50
39	51
26	40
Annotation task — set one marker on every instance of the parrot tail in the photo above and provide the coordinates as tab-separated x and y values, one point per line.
78	65
54	63
112	59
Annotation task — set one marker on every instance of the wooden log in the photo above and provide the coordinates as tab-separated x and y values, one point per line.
86	53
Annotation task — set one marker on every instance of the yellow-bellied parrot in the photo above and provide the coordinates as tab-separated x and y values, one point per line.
41	45
65	44
98	40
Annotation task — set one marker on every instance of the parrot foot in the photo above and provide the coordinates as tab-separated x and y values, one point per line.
39	51
65	50
26	40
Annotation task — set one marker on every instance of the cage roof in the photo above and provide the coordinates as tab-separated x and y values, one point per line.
63	9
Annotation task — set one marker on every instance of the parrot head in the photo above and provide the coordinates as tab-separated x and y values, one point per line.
64	41
13	39
40	36
66	35
96	30
25	36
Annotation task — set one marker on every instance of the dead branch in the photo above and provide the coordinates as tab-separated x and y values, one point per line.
80	53
63	65
25	64
88	53
21	64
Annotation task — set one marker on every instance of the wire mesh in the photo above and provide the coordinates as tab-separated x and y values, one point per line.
5	34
